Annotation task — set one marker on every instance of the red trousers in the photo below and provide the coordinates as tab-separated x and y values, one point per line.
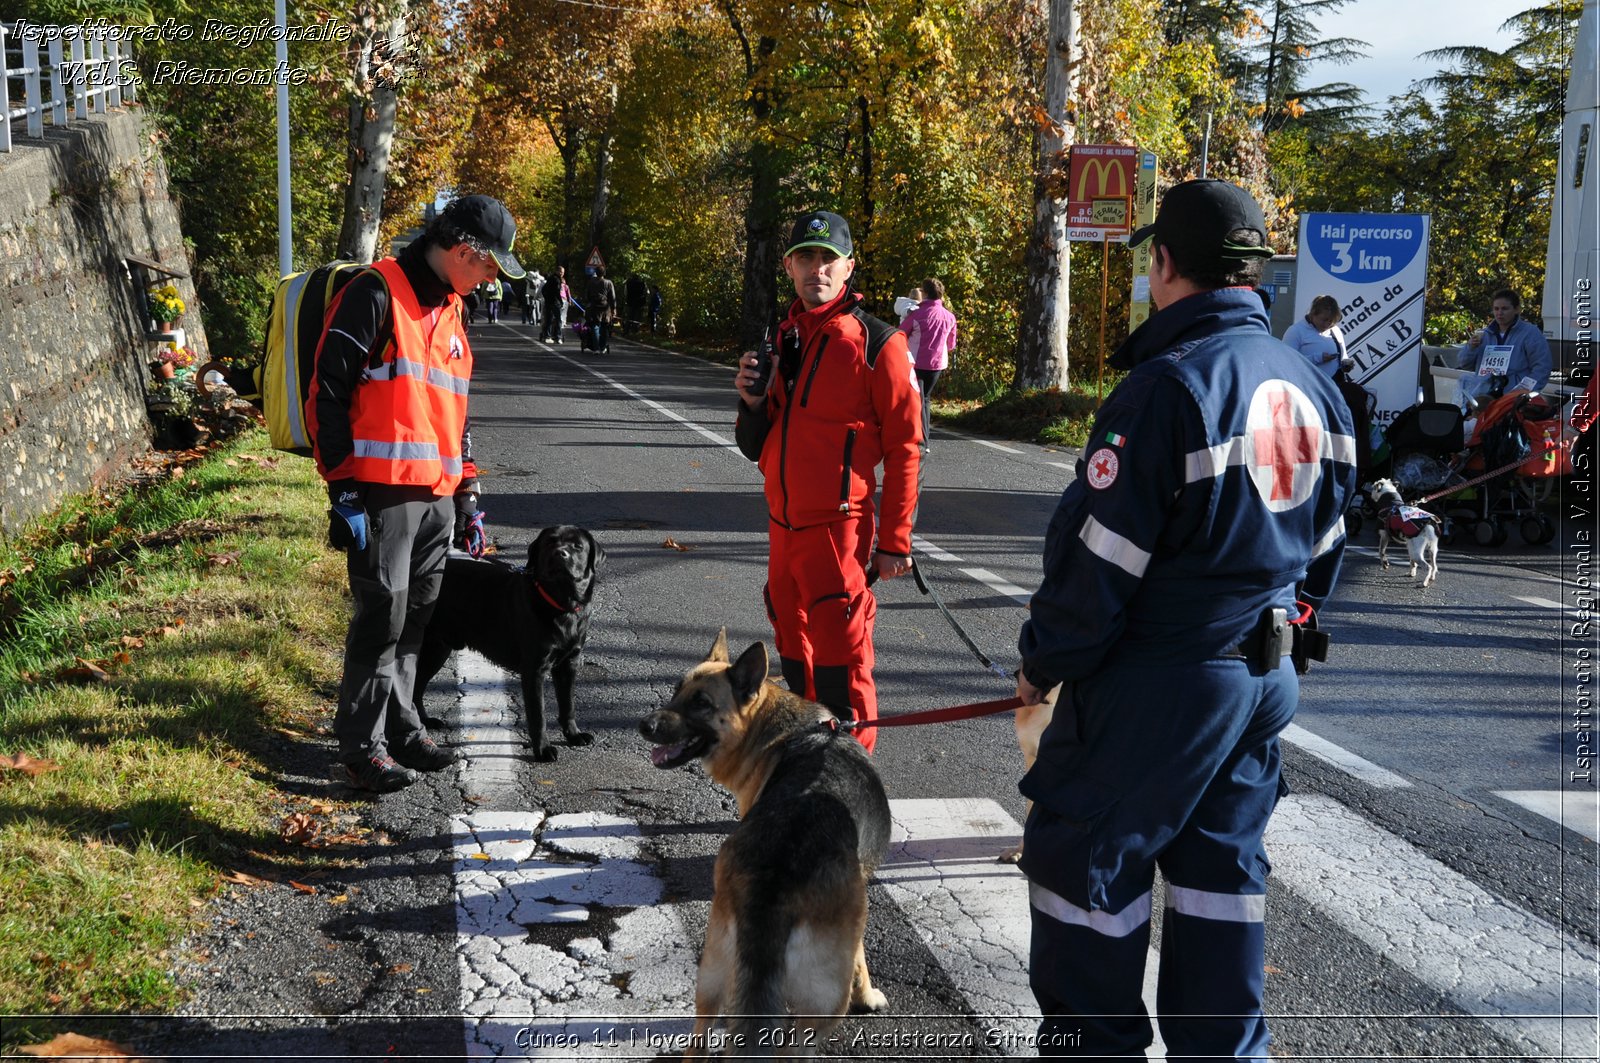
822	615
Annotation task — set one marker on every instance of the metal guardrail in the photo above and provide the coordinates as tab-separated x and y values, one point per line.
87	68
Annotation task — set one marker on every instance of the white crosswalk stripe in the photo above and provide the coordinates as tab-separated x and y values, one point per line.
629	986
1576	810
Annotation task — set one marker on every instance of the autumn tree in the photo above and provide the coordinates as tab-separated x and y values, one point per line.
1288	46
1042	342
378	66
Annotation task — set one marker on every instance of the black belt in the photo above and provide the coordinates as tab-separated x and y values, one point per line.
1267	643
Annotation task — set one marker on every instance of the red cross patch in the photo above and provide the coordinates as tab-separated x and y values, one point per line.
1283	441
1102	472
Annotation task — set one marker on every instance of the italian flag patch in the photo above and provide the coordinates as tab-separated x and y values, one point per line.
1116	440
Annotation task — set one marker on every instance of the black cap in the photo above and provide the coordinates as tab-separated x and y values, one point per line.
821	228
487	221
1196	217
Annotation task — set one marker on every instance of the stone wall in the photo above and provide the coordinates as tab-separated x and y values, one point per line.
74	348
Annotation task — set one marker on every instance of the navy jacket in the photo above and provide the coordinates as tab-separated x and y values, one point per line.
1215	481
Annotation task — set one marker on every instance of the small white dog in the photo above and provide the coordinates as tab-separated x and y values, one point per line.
1418	527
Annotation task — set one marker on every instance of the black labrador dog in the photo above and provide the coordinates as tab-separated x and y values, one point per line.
532	621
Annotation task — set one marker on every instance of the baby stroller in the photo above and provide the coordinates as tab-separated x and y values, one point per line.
1417	452
1515	430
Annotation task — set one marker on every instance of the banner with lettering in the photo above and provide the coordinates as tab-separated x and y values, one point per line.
1376	265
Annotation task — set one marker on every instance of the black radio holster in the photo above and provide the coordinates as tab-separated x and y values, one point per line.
1309	644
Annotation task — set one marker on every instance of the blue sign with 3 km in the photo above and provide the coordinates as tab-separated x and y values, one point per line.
1364	248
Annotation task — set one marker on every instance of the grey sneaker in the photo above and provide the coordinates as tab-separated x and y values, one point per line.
424	754
380	775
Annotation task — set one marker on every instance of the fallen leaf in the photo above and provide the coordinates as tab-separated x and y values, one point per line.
86	670
341	899
302	887
299	829
220	560
400	968
241	878
133	642
77	1046
480	856
26	764
673	544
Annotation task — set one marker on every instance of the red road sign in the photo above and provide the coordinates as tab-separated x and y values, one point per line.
1098	172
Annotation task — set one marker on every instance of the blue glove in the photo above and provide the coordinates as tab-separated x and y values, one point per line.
347	519
474	537
347	527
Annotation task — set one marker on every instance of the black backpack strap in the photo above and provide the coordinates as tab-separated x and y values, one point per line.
878	334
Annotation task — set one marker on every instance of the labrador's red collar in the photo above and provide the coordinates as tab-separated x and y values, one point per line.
575	607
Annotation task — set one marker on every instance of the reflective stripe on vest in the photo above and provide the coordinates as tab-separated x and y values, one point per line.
408	414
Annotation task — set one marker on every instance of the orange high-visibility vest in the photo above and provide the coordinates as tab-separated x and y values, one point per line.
407	415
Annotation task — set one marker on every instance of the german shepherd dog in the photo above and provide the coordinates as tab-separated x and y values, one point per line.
532	621
783	957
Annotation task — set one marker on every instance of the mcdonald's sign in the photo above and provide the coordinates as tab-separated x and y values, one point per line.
1098	172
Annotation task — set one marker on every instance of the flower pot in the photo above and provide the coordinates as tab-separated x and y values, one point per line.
165	370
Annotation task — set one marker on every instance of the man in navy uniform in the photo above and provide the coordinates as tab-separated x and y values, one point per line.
1209	501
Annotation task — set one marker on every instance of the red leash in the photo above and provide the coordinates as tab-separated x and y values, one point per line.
954	712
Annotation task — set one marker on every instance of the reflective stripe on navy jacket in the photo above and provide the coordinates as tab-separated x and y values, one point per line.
1217	471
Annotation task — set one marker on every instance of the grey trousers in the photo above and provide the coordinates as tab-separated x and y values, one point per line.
395	582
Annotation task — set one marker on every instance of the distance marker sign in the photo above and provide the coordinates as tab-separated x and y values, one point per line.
1376	266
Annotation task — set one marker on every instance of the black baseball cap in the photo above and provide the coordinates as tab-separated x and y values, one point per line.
487	221
1196	217
821	228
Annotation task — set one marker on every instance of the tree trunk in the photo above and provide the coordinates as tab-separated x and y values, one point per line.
1042	339
762	251
568	145
1267	110
372	115
869	205
602	188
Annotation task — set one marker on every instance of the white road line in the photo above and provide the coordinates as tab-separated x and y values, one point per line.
1542	603
1061	465
981	575
1576	810
1518	973
997	446
993	582
972	911
721	441
1343	759
515	872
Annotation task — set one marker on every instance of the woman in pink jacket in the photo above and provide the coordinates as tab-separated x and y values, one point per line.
931	332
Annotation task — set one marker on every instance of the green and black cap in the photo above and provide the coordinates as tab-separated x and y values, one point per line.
821	228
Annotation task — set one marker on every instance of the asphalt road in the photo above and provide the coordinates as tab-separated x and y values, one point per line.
1421	907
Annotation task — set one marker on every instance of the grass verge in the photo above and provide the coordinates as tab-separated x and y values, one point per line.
169	651
1063	418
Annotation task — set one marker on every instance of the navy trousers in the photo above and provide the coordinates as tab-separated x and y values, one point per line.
1146	766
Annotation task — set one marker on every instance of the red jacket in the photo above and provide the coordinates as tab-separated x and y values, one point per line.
824	433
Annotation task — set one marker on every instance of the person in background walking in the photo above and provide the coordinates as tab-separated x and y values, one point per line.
655	308
932	332
907	303
634	291
533	298
601	308
494	292
556	296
